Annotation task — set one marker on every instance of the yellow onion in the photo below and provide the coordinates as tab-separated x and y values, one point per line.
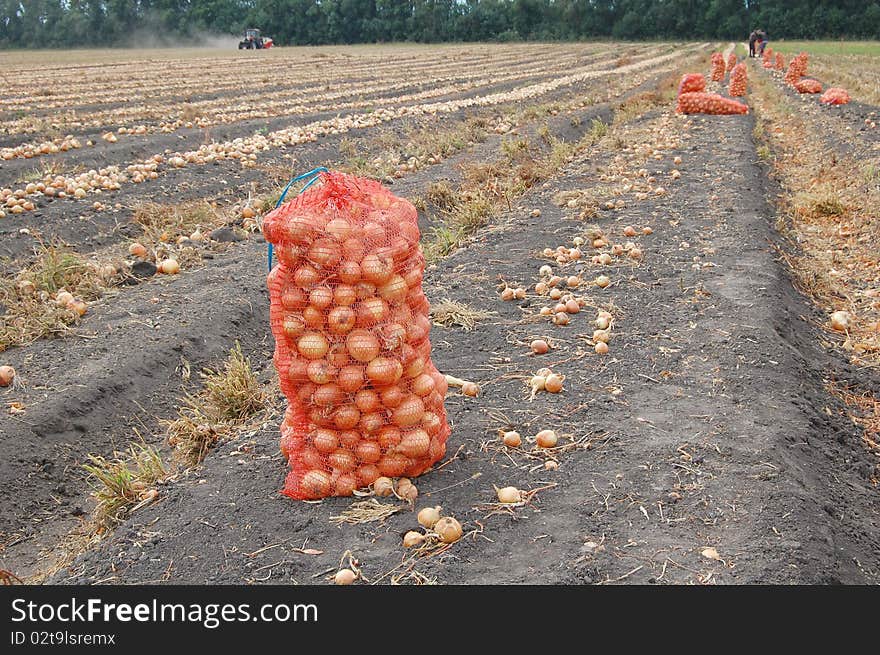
413	538
448	529
429	516
344	577
509	495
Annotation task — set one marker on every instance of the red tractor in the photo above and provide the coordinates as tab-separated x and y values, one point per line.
253	41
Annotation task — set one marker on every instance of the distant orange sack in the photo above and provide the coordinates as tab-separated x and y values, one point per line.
709	103
835	96
351	331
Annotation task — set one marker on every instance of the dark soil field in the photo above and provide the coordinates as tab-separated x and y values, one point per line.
704	448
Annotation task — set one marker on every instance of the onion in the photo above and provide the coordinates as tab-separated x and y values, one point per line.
341	320
293	298
324	253
551	465
561	318
415	443
413	538
320	371
553	383
342	459
470	389
328	395
647	230
389	436
306	276
346	484
519	293
339	229
545	271
555	294
349	439
367	400
384	371
77	306
840	320
394	290
635	253
312	345
325	441
602	281
368	452
376	269
602	322
546	439
316	484
572	306
629	231
138	250
367	474
293	326
346	417
349	272
601	348
429	516
448	529
554	280
169	267
371	422
511	439
601	335
507	294
509	495
371	311
392	396
383	487
423	385
313	317
7	375
409	412
362	346
539	347
344	577
546	311
541	288
321	297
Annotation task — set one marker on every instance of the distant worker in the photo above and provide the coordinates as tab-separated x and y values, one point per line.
762	41
753	38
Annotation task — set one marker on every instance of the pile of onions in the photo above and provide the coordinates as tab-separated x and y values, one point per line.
444	529
546	380
709	103
718	67
351	327
511	293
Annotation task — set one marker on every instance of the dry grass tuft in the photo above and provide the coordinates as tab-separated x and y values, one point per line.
366	511
229	397
122	483
31	313
450	313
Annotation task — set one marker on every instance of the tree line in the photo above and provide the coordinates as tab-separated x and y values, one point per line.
100	23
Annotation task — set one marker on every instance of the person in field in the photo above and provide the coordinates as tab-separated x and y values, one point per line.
753	38
762	42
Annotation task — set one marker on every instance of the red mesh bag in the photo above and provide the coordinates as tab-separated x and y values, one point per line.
767	58
780	61
351	331
808	86
835	96
738	81
709	103
692	82
797	68
731	62
717	67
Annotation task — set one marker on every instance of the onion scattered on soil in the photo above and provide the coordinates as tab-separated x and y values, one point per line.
539	347
840	320
383	487
63	298
413	538
511	439
561	319
629	231
138	250
429	516
448	529
551	465
647	230
545	271
470	389
509	495
601	348
507	294
553	383
7	375
602	281
344	577
169	267
546	439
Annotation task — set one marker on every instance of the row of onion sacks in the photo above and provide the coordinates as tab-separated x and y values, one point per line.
351	330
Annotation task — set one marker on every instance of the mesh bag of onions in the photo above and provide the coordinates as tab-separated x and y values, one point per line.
835	96
780	61
767	58
709	103
797	68
808	86
351	330
738	80
731	61
692	82
718	67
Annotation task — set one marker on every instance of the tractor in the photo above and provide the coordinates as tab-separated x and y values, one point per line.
253	41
